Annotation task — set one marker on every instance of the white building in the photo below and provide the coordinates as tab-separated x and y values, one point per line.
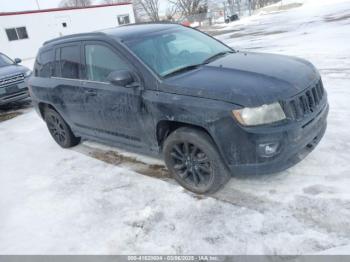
22	33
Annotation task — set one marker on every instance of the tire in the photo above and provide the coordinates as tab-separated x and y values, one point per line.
59	129
193	160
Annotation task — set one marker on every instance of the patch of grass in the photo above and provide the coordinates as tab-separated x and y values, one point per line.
111	157
8	116
114	158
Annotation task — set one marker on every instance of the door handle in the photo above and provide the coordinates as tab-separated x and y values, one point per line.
91	92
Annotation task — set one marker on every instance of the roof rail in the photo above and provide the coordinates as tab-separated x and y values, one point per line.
152	23
73	36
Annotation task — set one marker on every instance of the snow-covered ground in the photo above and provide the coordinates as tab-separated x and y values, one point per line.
56	201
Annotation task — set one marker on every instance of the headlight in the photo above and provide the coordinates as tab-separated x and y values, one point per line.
265	114
27	73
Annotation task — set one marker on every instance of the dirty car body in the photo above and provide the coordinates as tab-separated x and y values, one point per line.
13	80
262	112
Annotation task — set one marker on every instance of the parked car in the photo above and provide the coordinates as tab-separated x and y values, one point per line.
186	23
13	80
168	89
231	18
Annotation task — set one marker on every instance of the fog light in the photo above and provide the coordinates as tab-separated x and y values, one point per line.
268	149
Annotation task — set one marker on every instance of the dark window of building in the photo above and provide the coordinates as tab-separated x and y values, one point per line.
64	24
22	32
12	34
123	19
16	33
70	61
101	61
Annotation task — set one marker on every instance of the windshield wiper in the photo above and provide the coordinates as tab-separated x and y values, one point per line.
213	57
182	69
191	67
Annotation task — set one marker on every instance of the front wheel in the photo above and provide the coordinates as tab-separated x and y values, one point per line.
194	161
59	129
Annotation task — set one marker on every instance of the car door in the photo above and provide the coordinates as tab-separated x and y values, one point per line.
115	112
68	93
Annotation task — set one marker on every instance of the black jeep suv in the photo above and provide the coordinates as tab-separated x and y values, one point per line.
13	80
165	88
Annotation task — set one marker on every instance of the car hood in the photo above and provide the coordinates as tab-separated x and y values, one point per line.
12	70
246	79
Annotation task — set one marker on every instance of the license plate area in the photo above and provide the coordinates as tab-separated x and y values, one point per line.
12	89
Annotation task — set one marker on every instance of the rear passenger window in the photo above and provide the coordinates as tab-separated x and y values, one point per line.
100	61
70	60
44	64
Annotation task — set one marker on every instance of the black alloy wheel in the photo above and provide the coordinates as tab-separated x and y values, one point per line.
191	164
59	129
193	160
56	129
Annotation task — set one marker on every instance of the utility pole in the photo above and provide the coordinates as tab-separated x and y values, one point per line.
250	7
225	14
37	3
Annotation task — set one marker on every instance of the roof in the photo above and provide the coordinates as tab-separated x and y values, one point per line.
125	32
60	9
128	32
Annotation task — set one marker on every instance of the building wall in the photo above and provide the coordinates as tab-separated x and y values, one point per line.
47	25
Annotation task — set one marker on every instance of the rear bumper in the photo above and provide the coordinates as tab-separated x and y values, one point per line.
295	145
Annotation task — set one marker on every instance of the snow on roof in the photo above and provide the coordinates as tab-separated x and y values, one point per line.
60	9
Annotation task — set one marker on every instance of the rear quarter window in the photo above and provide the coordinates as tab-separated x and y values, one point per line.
44	65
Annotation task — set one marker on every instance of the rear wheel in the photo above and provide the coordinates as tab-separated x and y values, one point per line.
59	129
194	162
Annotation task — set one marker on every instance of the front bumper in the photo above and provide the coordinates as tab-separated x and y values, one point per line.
21	92
295	144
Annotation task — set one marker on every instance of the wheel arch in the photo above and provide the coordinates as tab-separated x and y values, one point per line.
166	127
43	106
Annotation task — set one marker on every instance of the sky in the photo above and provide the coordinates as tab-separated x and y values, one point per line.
20	5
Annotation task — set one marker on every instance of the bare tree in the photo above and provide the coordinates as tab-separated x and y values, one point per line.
115	1
144	10
256	4
74	3
171	12
234	6
137	13
192	9
147	9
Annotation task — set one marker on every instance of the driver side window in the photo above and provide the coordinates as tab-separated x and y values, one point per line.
101	61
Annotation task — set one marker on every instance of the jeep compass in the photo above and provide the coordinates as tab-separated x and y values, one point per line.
209	110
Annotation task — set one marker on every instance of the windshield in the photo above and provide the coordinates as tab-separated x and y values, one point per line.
167	51
5	61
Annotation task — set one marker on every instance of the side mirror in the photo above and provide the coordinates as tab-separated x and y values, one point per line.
17	61
121	78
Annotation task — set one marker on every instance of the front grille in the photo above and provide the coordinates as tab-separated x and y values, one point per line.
10	80
305	103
